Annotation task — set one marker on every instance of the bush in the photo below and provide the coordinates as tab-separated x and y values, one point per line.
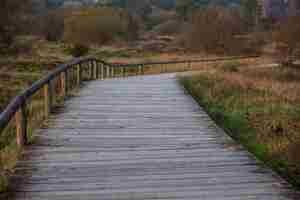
287	40
90	26
230	66
78	50
12	15
217	35
53	26
170	27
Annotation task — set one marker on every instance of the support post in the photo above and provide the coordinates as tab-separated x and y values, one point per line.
91	70
63	84
102	71
78	74
123	71
21	126
96	70
112	72
107	72
48	99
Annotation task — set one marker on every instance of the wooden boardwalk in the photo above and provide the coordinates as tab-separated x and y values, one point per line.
140	138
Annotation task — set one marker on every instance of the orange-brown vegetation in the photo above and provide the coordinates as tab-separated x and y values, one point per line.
90	26
220	30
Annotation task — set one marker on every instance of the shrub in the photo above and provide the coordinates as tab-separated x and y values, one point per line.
12	15
230	66
170	27
90	26
217	35
53	26
287	40
78	50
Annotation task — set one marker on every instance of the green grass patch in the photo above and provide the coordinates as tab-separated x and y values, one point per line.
104	54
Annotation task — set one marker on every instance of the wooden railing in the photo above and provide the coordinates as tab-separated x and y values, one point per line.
44	94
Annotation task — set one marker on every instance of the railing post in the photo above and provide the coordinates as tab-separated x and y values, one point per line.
140	70
107	71
78	74
91	70
102	71
112	72
63	83
123	71
96	69
48	99
21	126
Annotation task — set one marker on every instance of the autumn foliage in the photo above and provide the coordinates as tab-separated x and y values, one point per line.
90	26
287	40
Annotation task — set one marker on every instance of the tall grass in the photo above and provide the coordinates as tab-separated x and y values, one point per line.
259	108
36	117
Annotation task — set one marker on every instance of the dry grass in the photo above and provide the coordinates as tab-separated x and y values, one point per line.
18	72
260	108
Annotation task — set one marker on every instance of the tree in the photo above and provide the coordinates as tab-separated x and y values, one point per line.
165	4
250	14
90	26
217	35
133	27
12	13
53	26
140	7
287	40
183	7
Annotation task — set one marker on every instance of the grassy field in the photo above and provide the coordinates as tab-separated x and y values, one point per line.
257	107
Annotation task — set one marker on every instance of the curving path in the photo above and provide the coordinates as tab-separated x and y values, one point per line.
140	138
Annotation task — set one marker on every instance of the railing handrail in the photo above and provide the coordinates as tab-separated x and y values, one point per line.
22	97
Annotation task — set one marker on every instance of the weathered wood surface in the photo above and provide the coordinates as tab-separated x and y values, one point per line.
140	138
